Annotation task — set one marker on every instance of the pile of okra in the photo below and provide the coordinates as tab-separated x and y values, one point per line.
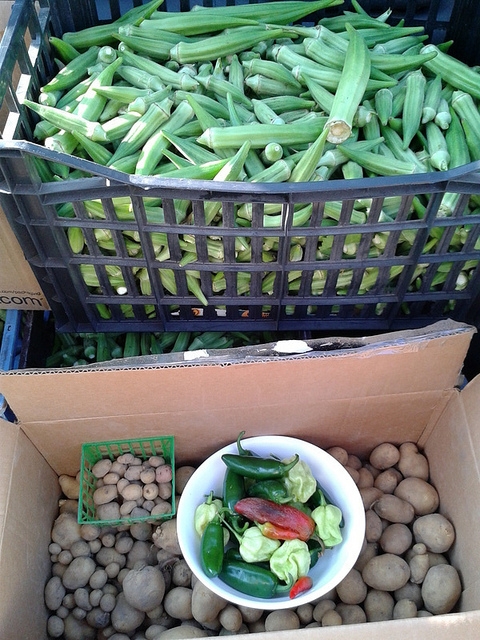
246	93
77	349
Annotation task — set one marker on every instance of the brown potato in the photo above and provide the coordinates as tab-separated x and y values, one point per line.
132	492
436	558
127	507
386	572
396	538
435	531
340	454
182	476
354	462
412	462
441	589
369	552
148	476
369	496
305	613
419	493
144	588
126	458
156	461
105	494
133	473
378	605
101	468
352	589
394	509
54	593
354	473
282	620
182	632
373	526
121	484
249	614
150	491
351	613
419	566
78	573
125	618
404	609
178	603
230	618
66	530
384	456
70	486
409	591
388	480
118	467
331	619
206	605
321	609
373	470
365	478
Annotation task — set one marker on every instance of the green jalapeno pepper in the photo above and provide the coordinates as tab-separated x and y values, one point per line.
232	553
251	579
258	468
273	490
233	488
319	497
211	548
233	491
316	549
241	450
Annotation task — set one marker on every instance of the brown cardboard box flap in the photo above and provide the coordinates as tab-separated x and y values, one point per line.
19	288
399	383
26	520
453	452
407	362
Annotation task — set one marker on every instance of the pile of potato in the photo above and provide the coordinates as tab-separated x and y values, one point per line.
130	487
131	583
402	571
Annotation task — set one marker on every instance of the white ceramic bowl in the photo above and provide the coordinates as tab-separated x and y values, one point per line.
330	569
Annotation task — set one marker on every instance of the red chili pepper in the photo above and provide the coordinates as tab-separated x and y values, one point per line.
282	516
274	532
301	585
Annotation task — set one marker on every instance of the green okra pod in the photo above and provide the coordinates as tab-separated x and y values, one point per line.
73	72
351	88
69	121
452	71
261	134
413	106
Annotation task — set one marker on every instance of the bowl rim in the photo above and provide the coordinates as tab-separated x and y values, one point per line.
283	602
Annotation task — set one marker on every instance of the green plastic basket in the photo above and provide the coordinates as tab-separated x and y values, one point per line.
143	448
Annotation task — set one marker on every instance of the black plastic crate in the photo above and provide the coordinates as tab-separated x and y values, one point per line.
331	292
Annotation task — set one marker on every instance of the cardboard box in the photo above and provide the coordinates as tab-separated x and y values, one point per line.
19	288
396	387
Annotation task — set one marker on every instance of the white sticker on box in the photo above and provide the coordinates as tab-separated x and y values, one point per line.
291	346
193	355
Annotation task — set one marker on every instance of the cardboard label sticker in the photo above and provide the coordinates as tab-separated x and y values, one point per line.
292	346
